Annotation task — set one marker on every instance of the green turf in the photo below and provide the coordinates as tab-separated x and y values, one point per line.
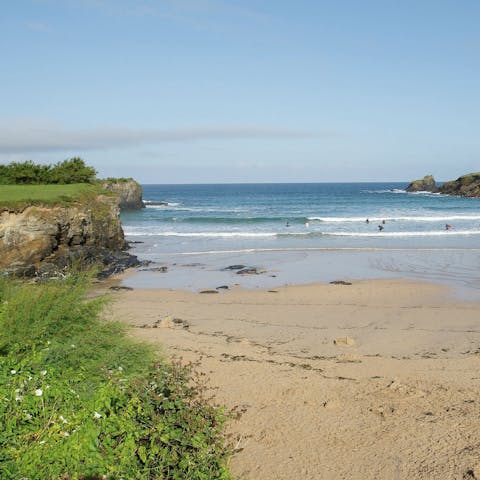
19	196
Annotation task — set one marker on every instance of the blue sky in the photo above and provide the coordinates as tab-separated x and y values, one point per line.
186	91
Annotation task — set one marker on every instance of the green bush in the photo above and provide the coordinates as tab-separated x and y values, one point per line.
69	171
79	400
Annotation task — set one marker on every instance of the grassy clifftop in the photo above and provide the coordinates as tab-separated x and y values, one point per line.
17	197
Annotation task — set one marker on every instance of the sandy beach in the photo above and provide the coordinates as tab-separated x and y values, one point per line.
375	380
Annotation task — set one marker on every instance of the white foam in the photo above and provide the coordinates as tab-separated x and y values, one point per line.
203	234
393	219
435	233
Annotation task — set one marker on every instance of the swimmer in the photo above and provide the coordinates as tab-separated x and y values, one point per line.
447	226
367	221
383	222
287	224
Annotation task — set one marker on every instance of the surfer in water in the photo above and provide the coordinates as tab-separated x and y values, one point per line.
447	226
367	221
380	228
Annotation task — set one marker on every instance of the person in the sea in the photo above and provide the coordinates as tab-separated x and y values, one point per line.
287	224
367	221
447	226
380	228
383	222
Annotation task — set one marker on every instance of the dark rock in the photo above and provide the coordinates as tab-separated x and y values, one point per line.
340	282
222	287
128	190
426	184
154	269
208	291
118	288
234	267
249	271
464	186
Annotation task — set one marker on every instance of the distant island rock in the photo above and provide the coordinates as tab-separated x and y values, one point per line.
464	186
426	184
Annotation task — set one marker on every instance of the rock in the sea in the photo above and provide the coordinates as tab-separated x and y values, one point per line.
208	291
234	267
222	287
155	269
129	191
340	282
465	186
249	271
426	184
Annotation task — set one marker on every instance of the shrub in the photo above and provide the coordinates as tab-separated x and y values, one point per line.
79	400
69	171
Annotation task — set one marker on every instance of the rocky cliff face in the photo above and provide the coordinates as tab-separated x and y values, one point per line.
465	186
426	184
38	236
129	191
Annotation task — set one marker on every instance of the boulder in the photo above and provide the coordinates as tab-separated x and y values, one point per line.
129	191
426	184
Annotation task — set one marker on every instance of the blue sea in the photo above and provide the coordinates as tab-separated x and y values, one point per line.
306	232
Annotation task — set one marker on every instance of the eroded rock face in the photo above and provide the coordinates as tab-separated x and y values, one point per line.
39	235
426	184
129	191
465	186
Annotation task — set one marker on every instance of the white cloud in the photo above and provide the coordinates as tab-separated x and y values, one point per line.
27	136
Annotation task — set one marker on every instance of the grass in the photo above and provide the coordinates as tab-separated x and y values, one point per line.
17	197
80	400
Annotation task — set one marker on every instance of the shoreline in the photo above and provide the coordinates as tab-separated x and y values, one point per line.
378	379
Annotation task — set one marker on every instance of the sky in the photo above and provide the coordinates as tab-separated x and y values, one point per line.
230	91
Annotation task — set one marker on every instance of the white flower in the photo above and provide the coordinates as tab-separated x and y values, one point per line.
18	398
13	372
38	392
42	442
28	416
72	345
65	434
120	369
61	417
48	342
30	378
18	390
97	415
43	372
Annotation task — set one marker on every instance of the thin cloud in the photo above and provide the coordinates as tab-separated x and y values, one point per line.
38	27
37	137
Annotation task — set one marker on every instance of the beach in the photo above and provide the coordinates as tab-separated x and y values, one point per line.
376	379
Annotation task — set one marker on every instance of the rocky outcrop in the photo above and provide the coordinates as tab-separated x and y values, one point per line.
465	186
39	239
128	190
426	184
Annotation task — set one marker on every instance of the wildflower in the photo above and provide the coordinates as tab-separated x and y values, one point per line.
30	377
18	398
61	417
28	416
97	415
13	372
120	369
72	345
43	372
65	434
42	442
38	392
18	390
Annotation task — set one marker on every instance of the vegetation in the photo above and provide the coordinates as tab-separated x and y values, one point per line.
17	197
79	400
69	171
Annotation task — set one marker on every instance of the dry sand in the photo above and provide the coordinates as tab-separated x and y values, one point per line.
375	380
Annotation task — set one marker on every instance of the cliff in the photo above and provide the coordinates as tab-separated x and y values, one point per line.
41	239
128	190
465	186
426	184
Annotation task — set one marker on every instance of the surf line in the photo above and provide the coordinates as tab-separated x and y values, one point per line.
332	249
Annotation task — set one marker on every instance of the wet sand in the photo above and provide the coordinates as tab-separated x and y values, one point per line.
375	380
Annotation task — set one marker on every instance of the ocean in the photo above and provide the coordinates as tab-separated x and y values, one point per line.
301	233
